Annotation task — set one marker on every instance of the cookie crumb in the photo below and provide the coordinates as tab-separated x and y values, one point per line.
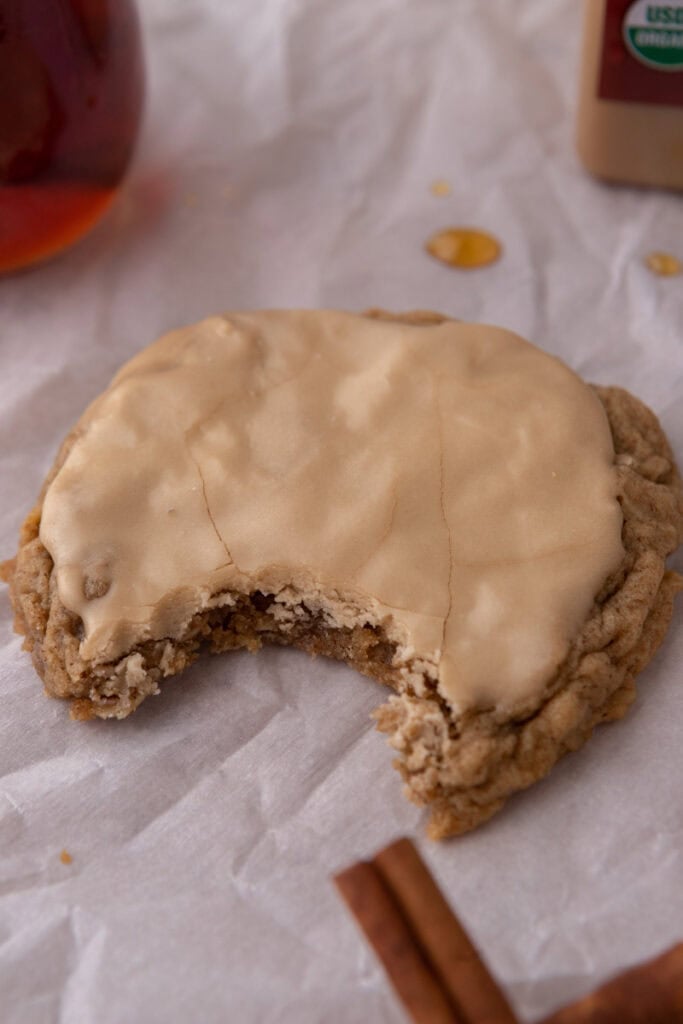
65	857
664	264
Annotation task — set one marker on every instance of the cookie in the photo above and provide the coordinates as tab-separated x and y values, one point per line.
441	505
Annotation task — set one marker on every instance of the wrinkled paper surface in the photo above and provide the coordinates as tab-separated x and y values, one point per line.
286	160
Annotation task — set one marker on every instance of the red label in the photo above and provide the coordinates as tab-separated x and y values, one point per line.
622	76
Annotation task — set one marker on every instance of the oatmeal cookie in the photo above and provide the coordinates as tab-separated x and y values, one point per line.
305	506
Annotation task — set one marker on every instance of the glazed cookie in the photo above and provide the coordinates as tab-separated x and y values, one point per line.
441	505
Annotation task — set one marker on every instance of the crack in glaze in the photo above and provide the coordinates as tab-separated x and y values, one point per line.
208	509
193	428
439	424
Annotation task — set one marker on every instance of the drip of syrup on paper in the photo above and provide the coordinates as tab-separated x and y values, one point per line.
464	248
440	188
663	263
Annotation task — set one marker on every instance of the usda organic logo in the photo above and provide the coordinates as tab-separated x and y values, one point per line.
654	34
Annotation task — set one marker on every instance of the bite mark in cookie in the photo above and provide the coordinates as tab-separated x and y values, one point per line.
441	505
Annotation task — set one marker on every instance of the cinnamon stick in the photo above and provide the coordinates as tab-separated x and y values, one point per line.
428	956
651	993
388	933
455	961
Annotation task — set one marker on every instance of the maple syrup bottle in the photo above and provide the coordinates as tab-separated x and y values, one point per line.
630	116
71	93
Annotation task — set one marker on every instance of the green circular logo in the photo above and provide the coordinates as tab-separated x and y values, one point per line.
653	33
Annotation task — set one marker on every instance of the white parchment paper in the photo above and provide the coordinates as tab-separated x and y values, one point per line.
286	160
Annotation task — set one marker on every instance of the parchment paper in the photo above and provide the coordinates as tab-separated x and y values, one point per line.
286	160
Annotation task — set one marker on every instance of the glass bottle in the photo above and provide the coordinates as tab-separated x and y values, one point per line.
71	94
630	115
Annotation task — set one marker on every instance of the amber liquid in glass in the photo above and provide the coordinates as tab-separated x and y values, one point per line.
71	91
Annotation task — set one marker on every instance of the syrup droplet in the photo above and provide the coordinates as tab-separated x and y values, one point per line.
465	248
440	187
663	264
65	857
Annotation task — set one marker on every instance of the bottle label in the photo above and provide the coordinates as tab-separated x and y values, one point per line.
642	52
